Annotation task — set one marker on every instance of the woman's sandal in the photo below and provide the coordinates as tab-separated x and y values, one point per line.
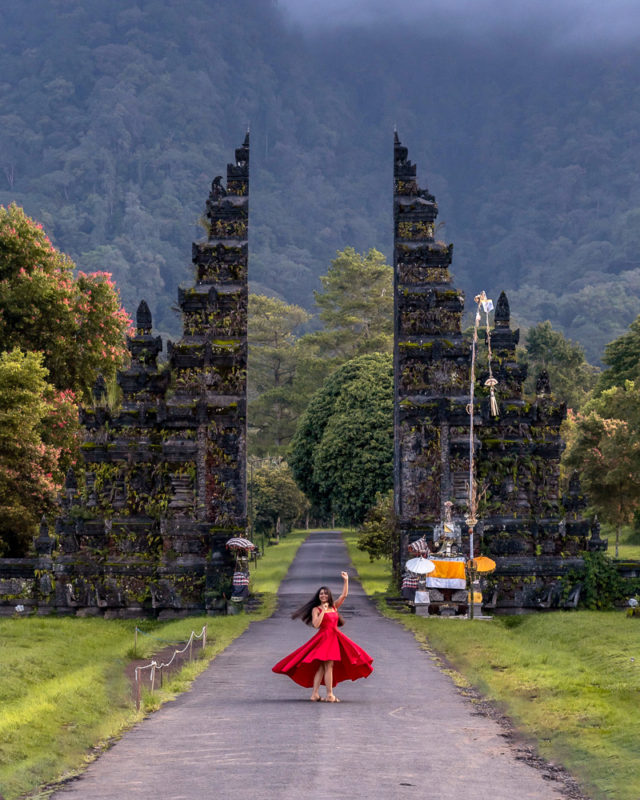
332	699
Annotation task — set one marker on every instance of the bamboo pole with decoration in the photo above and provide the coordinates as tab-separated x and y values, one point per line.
486	305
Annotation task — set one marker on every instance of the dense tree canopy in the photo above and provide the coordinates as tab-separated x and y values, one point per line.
272	338
622	359
342	452
276	502
604	446
377	534
356	305
286	368
274	359
604	436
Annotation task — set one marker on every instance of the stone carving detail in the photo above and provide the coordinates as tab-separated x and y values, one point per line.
595	542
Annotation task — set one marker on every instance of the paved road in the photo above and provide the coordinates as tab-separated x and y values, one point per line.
244	732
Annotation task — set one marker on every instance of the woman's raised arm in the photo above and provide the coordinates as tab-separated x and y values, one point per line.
345	589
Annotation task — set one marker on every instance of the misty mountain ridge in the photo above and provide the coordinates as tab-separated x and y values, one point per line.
114	119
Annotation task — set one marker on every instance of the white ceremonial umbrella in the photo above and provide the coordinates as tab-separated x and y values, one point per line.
420	566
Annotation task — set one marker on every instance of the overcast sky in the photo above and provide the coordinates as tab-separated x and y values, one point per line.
568	22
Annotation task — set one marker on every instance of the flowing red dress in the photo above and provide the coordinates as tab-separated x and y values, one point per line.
350	662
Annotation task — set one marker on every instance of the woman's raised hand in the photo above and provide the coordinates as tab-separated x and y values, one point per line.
345	576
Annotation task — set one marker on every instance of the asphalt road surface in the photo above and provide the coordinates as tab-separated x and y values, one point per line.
244	733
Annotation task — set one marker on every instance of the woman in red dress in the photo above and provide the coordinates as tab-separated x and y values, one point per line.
328	657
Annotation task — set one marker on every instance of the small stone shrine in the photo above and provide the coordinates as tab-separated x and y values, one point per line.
524	525
164	486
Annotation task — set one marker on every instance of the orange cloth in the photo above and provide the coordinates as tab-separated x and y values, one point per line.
448	569
448	574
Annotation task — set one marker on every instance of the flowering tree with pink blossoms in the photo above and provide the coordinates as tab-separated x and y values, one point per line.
38	431
75	320
58	330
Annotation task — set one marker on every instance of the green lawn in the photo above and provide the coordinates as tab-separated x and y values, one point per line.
629	543
63	690
571	680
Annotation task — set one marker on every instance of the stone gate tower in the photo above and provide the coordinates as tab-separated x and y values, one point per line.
534	535
144	527
431	358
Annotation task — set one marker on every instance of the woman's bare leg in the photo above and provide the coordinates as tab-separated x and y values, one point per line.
317	680
328	682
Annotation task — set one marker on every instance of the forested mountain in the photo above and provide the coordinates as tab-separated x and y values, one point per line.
115	116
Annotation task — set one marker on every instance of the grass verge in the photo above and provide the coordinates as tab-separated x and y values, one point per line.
63	689
569	680
374	575
64	693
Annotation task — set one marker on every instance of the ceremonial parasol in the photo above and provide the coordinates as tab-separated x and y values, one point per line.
239	543
420	566
482	564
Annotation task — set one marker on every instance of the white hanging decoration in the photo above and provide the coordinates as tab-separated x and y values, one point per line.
483	303
487	306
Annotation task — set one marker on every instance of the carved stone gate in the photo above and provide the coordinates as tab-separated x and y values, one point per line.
163	486
144	528
534	536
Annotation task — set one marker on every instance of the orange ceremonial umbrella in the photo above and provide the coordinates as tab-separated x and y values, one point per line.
482	564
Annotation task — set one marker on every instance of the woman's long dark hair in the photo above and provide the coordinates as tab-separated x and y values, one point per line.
305	612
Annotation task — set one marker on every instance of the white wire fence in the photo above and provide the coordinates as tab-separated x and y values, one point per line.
157	668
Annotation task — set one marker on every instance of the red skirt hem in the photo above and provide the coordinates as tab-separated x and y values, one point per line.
350	661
